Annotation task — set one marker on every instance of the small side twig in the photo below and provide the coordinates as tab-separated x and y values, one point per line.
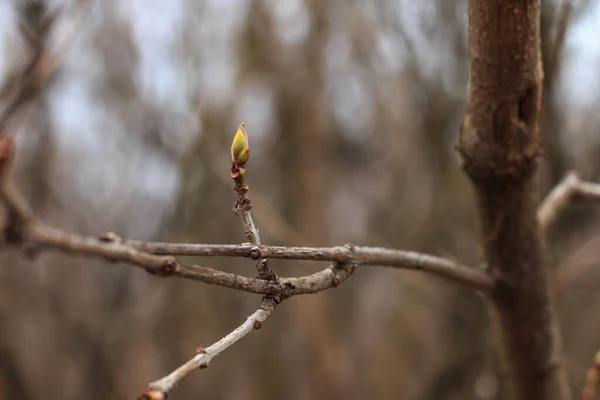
570	190
158	389
591	382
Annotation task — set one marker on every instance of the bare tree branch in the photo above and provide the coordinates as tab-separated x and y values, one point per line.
159	388
570	190
111	247
24	229
359	255
38	235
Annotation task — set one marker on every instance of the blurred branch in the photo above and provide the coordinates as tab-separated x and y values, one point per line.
570	190
562	22
591	382
43	66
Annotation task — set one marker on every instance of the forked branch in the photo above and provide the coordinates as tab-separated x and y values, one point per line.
570	190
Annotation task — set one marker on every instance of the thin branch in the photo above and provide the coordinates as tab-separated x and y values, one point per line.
242	208
561	24
162	263
358	255
591	382
159	388
570	190
110	247
157	258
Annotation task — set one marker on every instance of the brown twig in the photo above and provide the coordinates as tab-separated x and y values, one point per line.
357	255
110	247
158	389
570	190
591	382
243	208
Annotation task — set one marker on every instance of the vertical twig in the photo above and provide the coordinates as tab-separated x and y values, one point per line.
240	153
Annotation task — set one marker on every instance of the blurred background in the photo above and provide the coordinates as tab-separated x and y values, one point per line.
353	109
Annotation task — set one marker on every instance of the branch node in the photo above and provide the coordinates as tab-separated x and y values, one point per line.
203	365
257	325
169	266
255	253
200	350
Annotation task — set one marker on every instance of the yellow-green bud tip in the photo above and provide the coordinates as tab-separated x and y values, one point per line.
240	151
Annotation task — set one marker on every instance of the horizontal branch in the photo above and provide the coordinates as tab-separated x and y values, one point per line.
357	255
111	248
159	388
152	257
570	190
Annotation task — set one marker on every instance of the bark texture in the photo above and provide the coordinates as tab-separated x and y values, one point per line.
499	144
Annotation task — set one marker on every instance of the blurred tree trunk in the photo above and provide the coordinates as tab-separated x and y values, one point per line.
305	134
500	146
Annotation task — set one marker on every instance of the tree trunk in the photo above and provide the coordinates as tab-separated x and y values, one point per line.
499	144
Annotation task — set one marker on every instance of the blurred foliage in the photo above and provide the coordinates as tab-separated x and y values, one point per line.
353	110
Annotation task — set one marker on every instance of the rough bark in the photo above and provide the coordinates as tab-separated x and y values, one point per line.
499	144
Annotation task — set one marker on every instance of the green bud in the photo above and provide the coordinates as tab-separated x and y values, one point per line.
240	151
